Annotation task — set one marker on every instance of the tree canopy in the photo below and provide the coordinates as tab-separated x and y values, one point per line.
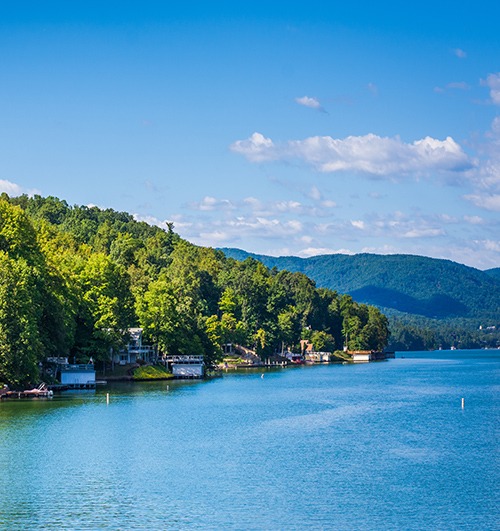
74	279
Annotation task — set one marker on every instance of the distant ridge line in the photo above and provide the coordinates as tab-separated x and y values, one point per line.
433	288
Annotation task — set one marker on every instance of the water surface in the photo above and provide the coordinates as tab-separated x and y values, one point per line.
369	446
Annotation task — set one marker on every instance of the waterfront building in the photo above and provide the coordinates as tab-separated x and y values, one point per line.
135	349
78	376
191	366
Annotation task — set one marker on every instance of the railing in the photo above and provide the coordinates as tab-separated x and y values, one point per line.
184	359
78	367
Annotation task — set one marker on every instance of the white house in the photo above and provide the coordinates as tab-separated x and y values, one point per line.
135	350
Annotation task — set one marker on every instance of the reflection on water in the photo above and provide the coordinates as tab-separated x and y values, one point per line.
372	446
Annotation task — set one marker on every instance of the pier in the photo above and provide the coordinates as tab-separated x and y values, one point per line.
42	391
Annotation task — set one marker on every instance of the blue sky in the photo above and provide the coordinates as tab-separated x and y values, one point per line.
276	127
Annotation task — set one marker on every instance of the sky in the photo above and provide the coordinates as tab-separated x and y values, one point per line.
281	128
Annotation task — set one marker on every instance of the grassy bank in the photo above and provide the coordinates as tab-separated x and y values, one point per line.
135	373
151	372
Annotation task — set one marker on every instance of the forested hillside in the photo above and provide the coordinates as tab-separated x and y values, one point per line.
431	302
74	279
495	272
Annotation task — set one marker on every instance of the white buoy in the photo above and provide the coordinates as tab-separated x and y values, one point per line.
107	398
463	402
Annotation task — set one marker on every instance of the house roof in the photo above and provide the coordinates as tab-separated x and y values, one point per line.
135	333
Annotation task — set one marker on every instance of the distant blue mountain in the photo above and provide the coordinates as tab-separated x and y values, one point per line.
495	273
400	284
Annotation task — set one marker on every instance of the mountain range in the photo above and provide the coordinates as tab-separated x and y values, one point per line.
400	284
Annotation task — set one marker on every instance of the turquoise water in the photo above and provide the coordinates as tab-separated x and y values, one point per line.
371	446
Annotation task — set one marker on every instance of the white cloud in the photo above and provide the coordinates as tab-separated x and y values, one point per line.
459	85
358	224
460	53
288	206
312	103
370	154
398	225
257	148
315	251
493	82
490	245
10	188
486	177
446	218
424	233
211	203
216	236
289	227
14	190
474	220
383	249
254	203
151	220
315	193
495	126
487	201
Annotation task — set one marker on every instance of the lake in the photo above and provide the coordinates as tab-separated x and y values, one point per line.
384	445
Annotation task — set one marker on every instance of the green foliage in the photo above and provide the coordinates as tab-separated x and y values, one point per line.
322	342
21	346
74	279
151	372
430	302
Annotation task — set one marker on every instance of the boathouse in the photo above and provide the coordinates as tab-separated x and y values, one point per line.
191	366
360	356
78	376
293	357
317	357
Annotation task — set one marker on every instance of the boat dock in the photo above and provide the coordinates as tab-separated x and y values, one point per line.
42	391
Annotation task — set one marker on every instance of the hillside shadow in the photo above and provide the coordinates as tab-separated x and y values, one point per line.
438	306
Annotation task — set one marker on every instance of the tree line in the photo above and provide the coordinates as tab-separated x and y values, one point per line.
73	279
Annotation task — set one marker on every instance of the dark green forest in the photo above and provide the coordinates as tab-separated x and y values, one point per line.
430	303
75	278
495	273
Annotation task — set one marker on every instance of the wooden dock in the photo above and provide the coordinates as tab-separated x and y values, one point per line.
41	391
70	386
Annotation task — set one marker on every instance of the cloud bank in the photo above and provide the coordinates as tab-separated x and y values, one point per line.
369	154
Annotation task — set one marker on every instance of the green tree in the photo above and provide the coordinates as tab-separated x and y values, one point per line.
322	342
169	319
21	347
106	305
